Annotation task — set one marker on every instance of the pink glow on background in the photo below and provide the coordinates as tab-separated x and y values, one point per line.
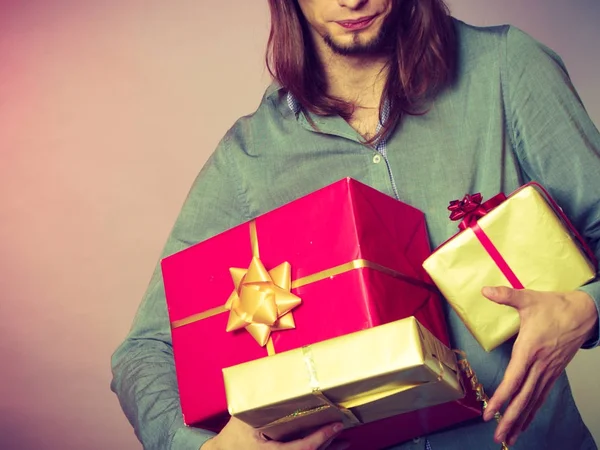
107	112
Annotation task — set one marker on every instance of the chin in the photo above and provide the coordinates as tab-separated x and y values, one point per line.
355	45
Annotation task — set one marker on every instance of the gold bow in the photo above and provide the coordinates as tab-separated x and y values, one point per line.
262	301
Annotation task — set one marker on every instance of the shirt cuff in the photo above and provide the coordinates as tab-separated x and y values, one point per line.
187	438
593	290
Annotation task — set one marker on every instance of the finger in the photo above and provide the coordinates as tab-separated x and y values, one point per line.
538	404
315	440
513	379
505	296
517	428
327	444
517	406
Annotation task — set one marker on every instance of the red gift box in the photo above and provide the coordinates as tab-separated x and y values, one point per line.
341	259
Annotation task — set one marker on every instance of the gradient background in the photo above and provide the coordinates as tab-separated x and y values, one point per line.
108	110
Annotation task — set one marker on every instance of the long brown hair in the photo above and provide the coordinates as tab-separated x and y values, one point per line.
422	59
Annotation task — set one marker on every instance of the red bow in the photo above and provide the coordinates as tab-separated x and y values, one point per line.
470	209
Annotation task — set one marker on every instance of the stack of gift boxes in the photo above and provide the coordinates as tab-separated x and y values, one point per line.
329	309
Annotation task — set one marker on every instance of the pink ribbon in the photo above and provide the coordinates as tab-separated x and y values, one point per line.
470	210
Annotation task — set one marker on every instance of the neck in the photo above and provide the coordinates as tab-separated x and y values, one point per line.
357	79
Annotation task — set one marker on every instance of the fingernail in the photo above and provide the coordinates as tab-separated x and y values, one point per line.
512	441
338	427
499	438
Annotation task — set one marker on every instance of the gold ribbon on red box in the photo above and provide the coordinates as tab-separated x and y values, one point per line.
262	301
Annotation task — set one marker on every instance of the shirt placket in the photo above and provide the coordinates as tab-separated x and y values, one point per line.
380	149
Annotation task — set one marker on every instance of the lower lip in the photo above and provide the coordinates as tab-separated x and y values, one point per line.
357	25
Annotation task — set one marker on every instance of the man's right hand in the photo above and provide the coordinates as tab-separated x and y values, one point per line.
238	435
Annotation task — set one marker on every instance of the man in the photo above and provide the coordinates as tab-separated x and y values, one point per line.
401	96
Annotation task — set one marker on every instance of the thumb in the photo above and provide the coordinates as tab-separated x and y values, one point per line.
504	295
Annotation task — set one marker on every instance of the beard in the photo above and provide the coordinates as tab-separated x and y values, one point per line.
377	45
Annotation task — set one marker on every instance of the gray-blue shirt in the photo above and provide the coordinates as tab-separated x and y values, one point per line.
512	116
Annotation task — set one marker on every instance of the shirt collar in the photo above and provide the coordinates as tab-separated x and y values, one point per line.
294	106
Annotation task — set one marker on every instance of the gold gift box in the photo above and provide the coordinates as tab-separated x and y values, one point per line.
357	378
535	243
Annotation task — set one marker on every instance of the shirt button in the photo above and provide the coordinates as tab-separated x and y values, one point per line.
377	159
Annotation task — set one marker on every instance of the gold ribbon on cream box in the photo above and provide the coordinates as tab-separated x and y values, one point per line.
357	378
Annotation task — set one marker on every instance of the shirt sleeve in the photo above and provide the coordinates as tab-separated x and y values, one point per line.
143	368
555	140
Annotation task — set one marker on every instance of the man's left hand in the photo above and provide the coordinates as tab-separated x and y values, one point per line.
553	327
